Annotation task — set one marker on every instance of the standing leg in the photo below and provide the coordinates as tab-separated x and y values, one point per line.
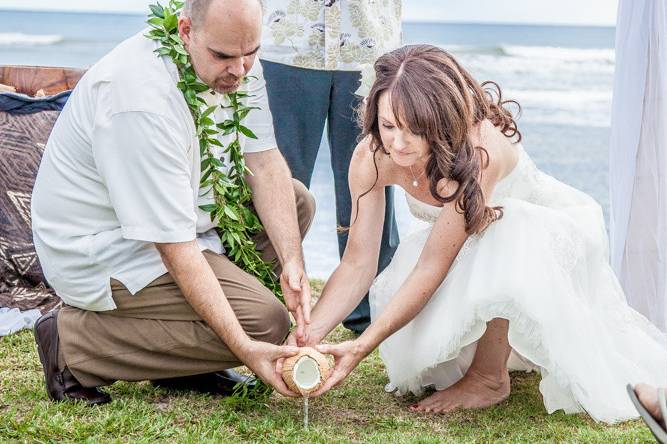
299	100
487	381
343	135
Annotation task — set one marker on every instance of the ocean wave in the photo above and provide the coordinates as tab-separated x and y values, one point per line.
20	39
566	98
562	54
591	108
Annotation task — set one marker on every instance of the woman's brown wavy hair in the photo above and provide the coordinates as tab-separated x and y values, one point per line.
434	97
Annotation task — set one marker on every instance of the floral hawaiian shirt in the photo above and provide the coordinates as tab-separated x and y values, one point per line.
330	34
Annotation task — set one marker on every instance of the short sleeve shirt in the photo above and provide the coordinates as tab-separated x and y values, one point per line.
121	172
332	35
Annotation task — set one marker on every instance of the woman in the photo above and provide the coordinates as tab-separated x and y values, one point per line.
514	262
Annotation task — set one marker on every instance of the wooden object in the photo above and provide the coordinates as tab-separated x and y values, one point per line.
30	79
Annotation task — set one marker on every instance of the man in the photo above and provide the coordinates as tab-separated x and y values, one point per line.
120	236
312	54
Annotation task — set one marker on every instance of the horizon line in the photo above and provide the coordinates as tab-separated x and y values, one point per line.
415	21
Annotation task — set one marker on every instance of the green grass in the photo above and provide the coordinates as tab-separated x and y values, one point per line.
358	411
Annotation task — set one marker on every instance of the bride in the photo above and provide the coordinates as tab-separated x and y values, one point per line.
512	272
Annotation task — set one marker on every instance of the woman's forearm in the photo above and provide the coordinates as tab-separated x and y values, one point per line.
342	293
409	300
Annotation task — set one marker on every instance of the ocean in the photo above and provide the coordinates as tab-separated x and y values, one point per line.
562	77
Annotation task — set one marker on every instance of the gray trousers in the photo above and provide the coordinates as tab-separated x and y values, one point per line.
301	101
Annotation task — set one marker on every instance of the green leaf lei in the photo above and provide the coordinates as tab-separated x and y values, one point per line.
237	222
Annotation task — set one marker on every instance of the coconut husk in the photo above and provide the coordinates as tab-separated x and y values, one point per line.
288	370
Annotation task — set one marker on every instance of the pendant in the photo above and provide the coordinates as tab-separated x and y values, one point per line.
415	184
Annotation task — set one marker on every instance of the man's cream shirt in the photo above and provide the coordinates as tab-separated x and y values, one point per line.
121	171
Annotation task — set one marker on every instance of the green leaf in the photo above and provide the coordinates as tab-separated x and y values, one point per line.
208	111
200	87
180	49
206	121
230	213
208	208
215	142
157	10
205	176
217	162
170	22
189	76
155	21
247	132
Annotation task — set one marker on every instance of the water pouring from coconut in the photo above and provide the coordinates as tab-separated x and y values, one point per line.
304	373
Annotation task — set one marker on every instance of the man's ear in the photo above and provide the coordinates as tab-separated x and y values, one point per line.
185	30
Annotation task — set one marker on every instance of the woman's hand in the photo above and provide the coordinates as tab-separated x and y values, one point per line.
347	356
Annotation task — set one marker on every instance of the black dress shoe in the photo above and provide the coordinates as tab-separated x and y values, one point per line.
61	385
220	383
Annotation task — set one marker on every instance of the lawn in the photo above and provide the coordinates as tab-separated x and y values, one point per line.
358	411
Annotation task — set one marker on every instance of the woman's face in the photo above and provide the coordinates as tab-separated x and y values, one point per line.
405	148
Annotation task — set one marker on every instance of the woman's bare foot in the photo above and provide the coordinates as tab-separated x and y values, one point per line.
473	391
648	396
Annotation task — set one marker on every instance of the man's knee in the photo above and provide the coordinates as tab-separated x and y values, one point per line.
274	322
305	206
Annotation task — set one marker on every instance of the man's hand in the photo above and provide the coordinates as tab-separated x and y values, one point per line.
296	291
347	356
263	358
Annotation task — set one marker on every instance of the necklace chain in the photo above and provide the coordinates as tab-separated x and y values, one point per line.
415	180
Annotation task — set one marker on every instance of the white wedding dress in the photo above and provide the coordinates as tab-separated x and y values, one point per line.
545	267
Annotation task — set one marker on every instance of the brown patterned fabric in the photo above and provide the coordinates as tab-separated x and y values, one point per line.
22	140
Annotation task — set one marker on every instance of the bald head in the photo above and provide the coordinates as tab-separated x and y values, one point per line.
197	10
222	38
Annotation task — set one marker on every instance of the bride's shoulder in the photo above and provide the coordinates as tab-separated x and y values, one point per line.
500	154
368	164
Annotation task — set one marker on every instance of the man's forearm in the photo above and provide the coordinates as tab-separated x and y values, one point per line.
201	289
273	197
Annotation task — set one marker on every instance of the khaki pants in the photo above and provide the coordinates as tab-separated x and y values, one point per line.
156	334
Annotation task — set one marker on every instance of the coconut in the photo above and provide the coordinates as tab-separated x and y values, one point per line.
306	372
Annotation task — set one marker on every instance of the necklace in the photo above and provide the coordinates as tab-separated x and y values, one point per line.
415	180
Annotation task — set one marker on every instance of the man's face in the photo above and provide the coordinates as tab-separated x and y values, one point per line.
224	46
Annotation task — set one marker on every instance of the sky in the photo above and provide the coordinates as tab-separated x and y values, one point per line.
577	12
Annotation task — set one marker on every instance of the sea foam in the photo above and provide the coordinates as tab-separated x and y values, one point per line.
20	39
